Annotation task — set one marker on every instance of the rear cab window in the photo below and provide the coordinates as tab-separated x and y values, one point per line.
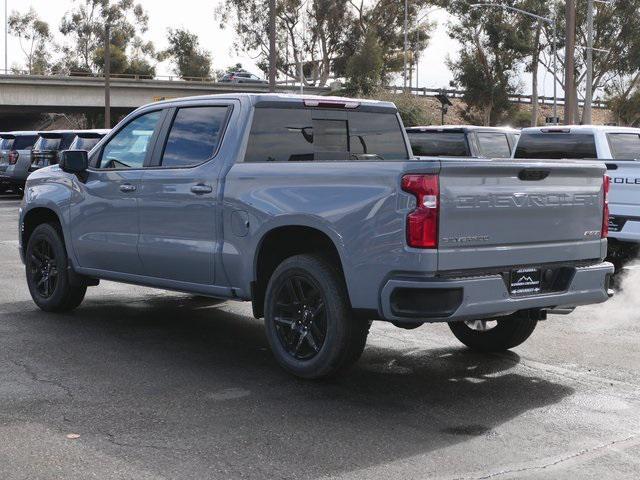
493	145
439	144
624	146
304	134
24	142
556	145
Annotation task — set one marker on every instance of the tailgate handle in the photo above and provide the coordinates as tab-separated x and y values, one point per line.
612	166
533	175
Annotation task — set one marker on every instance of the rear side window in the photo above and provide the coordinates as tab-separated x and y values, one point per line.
556	146
24	142
6	143
194	136
47	143
624	146
439	144
84	143
493	145
294	135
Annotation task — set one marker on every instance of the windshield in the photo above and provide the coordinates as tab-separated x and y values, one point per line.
439	144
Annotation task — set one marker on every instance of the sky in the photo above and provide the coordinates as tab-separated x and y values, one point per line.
198	16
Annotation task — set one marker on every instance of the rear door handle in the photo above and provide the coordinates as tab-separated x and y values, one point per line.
201	188
127	187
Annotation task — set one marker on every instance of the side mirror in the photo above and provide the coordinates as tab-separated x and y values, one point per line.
74	161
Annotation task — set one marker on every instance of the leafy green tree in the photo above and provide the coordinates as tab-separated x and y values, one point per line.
365	69
85	26
492	47
189	59
35	40
322	35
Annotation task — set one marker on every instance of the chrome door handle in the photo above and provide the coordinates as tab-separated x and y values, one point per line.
200	189
127	187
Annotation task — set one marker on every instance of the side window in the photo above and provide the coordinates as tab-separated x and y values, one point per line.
280	135
128	148
624	146
194	136
493	145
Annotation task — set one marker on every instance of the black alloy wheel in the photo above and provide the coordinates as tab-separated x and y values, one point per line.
43	268
300	316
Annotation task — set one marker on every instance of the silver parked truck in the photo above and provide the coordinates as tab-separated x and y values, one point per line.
314	210
619	149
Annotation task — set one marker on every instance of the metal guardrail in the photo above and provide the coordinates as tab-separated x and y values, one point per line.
515	98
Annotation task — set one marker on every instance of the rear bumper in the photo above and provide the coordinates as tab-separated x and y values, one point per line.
487	296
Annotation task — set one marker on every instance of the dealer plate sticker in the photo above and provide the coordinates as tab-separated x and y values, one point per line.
525	281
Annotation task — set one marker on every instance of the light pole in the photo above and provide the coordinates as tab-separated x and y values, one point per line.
415	54
550	21
406	18
6	49
272	45
107	76
588	94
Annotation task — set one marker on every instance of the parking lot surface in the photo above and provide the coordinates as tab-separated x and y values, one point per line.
145	384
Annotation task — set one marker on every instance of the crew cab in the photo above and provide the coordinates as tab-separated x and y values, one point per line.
315	210
463	141
619	148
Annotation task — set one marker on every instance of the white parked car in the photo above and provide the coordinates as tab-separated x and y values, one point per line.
619	148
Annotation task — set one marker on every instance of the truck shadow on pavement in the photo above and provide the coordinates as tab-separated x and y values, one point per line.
178	382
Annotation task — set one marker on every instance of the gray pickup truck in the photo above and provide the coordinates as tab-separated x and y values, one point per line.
314	209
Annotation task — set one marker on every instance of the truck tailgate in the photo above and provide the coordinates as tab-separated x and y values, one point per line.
496	213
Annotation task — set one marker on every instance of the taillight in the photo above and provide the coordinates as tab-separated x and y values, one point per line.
13	157
422	222
606	186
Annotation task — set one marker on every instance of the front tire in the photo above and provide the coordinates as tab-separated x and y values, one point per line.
308	318
494	335
46	270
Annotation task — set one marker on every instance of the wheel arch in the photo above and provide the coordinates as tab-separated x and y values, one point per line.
284	241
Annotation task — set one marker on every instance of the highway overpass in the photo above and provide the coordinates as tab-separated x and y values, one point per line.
57	94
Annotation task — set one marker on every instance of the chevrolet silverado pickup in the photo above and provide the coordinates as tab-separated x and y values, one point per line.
315	210
619	148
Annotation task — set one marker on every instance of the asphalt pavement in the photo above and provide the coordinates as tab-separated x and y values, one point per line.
145	384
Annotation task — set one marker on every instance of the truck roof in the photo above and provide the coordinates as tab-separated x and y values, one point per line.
581	129
459	128
283	99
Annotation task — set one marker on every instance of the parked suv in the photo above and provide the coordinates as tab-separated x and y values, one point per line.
619	148
314	209
47	147
463	141
14	147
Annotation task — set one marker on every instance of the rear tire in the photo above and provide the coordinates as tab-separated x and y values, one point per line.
46	269
509	332
308	319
